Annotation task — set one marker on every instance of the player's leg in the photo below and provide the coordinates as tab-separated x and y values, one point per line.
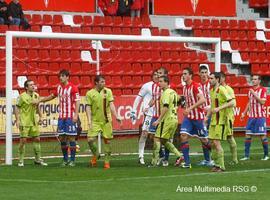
143	138
92	142
185	133
72	147
107	134
265	147
233	148
156	149
201	131
248	138
79	131
23	139
63	140
218	156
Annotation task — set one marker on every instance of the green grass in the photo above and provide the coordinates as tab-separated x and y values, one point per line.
127	180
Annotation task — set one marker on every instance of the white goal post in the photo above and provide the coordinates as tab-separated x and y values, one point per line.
99	37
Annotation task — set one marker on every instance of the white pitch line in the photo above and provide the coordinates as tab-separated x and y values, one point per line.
133	178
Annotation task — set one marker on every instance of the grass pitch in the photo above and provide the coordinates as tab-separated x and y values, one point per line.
127	180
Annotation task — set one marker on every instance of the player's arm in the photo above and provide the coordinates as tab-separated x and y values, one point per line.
76	111
135	106
44	99
17	116
112	107
245	111
201	100
162	113
230	103
89	116
258	98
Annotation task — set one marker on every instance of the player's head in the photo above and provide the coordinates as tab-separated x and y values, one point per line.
187	74
64	76
256	80
164	82
29	86
222	78
214	78
204	72
99	82
162	71
155	76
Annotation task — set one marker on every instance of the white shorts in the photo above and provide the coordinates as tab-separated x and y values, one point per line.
146	123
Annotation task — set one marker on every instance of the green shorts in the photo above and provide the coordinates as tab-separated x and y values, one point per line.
166	129
217	132
101	127
29	131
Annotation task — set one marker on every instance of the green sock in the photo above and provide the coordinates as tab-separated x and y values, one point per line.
155	152
93	147
107	150
172	148
21	153
220	159
233	147
37	150
214	154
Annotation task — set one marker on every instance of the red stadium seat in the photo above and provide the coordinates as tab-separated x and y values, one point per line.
137	69
224	24
233	24
215	24
42	82
23	43
56	44
34	43
108	21
66	29
78	19
98	20
43	68
47	20
54	68
54	55
251	25
45	43
44	55
127	81
65	56
56	29
117	21
86	82
3	28
75	80
36	19
58	20
127	22
206	24
65	44
54	81
146	22
87	21
137	22
35	28
19	69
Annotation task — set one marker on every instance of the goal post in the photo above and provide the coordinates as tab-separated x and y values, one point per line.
72	36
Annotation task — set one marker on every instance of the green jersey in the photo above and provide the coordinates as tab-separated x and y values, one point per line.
219	96
28	111
169	98
100	104
230	112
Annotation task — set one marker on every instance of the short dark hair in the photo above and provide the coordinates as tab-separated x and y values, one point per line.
166	79
190	71
64	72
203	67
164	70
98	78
259	77
26	83
217	75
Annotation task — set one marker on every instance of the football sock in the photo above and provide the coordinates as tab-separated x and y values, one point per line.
206	151
64	148
185	151
167	154
72	145
93	146
247	146
21	153
37	150
107	150
142	141
220	159
171	148
265	146
156	152
233	148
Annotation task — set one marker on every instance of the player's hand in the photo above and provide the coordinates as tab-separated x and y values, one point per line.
35	101
251	91
75	118
156	123
133	116
242	117
215	110
146	109
90	126
186	112
119	120
18	123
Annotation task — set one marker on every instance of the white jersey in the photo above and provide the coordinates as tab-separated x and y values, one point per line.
146	93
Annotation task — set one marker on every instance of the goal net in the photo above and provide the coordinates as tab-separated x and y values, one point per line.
126	61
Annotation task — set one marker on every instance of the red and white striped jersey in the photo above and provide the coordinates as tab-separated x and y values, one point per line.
67	95
256	109
206	93
156	91
191	93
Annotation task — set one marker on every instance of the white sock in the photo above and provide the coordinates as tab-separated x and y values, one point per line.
142	141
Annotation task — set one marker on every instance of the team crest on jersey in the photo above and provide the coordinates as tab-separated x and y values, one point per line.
194	4
46	2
